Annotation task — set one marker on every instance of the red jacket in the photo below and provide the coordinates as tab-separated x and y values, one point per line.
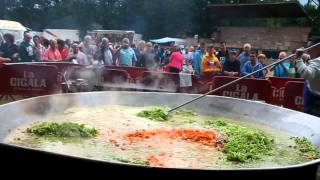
52	55
64	53
176	60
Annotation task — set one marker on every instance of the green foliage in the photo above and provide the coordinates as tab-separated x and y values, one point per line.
137	161
156	114
66	129
306	147
243	144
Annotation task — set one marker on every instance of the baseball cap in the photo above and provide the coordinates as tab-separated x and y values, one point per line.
233	51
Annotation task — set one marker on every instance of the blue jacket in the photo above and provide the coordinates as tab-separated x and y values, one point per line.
248	68
280	72
196	62
243	59
127	57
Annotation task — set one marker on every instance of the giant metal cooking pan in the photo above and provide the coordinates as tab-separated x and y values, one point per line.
18	113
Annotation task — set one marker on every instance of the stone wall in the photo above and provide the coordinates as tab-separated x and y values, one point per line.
286	38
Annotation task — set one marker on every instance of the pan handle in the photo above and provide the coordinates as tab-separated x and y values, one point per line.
318	173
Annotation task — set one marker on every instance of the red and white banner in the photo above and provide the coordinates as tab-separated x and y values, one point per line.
294	95
29	80
251	89
278	88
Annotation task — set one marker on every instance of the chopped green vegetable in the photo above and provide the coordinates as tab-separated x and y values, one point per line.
217	123
139	161
242	143
306	147
66	129
136	161
123	160
156	114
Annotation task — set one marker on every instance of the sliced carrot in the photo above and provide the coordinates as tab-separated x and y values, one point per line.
204	137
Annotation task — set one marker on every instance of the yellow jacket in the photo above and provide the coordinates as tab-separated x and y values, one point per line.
210	64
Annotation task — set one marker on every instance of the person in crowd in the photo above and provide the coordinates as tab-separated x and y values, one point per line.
105	53
88	48
252	66
210	64
175	61
4	60
197	60
306	58
262	58
76	56
115	49
52	53
231	66
139	53
159	54
184	49
189	54
148	59
223	54
26	50
25	32
45	43
9	50
187	67
292	72
125	55
38	48
281	70
135	49
166	56
68	44
62	49
244	57
311	73
185	54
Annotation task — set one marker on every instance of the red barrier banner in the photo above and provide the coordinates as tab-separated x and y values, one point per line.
134	72
63	66
29	80
294	95
200	85
115	76
251	89
159	82
278	88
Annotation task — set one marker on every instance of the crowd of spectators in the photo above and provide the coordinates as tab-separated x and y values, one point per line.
201	60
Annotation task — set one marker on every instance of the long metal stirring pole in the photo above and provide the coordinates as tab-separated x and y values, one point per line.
237	80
